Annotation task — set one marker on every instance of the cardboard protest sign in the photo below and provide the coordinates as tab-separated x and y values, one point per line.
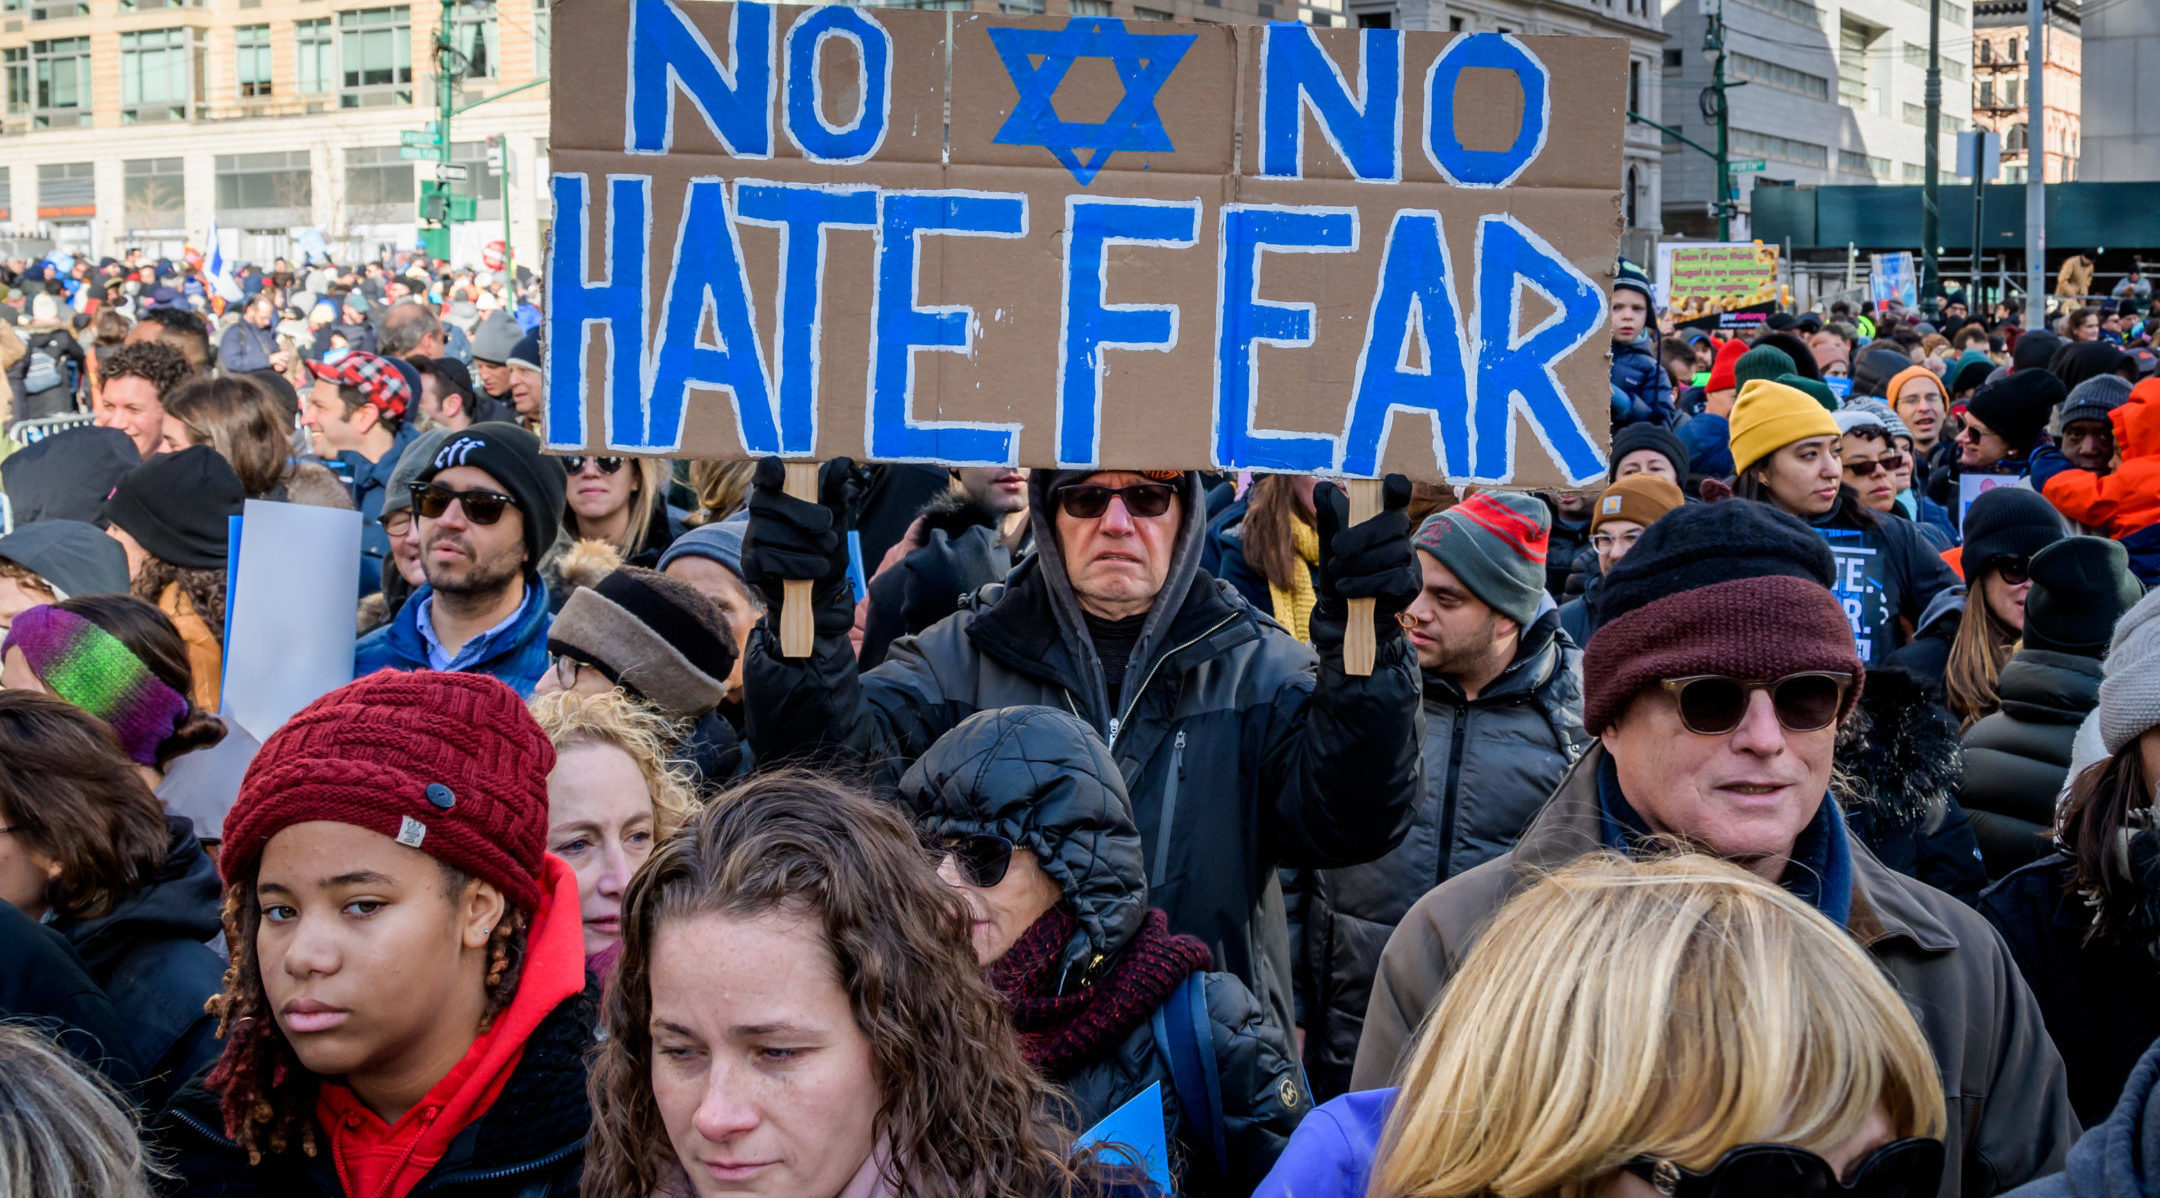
972	239
1894	280
1718	284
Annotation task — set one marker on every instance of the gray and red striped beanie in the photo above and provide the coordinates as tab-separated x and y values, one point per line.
1494	543
450	764
1736	588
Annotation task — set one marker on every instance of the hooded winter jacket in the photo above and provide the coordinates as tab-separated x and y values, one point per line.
2120	1158
370	480
1898	769
2009	1114
150	955
46	986
1043	780
2095	991
2016	758
1240	751
1886	573
1490	763
2124	505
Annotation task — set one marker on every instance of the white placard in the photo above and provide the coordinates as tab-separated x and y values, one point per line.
290	611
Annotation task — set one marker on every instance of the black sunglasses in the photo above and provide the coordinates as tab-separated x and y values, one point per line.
1905	1169
431	500
1713	705
2017	571
1088	501
983	858
575	464
1867	467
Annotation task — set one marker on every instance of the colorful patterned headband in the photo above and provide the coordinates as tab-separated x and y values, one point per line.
93	669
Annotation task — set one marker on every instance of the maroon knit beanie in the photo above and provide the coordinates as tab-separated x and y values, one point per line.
1760	628
450	764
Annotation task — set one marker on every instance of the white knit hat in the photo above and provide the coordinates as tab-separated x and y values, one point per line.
2130	689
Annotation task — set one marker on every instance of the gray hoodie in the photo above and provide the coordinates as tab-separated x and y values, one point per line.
2121	1157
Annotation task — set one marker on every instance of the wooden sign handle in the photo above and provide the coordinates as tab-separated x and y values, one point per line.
1359	644
798	626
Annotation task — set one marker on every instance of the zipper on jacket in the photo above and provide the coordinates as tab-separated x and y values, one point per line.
1169	811
504	1173
1117	722
1449	799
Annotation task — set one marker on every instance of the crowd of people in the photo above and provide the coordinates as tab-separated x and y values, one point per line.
1774	817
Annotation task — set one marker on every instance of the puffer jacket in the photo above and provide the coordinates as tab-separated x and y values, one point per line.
2016	759
2124	505
1242	753
2009	1112
150	956
1641	391
1490	763
529	1144
1043	780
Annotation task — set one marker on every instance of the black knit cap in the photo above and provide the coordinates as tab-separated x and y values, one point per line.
178	507
1648	436
2007	522
2080	587
2033	349
1701	544
511	456
2016	407
1794	348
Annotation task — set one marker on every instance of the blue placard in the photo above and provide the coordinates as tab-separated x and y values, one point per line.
1135	1133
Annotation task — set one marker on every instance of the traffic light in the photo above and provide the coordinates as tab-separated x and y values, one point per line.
434	204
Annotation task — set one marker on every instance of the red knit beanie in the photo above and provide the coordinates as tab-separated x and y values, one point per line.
450	764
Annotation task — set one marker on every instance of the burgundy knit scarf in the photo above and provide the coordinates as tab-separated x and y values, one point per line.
1060	1031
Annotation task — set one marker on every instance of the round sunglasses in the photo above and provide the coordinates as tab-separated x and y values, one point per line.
575	464
1714	705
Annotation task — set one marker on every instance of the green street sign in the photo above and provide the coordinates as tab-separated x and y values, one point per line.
420	137
420	153
1752	164
464	208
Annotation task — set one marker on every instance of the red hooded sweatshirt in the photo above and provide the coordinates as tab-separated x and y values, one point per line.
380	1160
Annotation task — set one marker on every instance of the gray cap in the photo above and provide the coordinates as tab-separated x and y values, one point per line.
397	494
2092	399
722	542
463	314
72	557
496	338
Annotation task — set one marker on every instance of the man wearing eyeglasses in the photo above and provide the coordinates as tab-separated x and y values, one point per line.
486	508
1242	751
1715	687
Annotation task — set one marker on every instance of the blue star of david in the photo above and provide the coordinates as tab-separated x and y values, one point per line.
1144	62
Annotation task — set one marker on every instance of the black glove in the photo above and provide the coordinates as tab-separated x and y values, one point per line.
1372	560
946	570
791	540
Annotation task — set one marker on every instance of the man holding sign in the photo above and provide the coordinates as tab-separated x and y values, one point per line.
1241	752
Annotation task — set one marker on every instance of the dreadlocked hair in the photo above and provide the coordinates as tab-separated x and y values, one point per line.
266	1095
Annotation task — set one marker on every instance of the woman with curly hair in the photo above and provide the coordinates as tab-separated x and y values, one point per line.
405	1009
798	1013
613	794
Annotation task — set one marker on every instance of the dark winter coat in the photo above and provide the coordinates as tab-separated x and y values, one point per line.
2096	992
1641	390
2017	758
1886	573
1043	780
1490	763
529	1144
1242	753
961	553
370	483
2119	1158
46	986
150	956
246	346
1565	542
2010	1119
1898	772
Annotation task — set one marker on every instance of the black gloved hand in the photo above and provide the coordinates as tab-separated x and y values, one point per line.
1372	560
941	575
793	540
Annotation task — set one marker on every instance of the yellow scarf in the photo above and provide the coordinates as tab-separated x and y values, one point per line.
1294	603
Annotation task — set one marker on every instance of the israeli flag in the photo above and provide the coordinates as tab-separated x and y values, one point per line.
214	268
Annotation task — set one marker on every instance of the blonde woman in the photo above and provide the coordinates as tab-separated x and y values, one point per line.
620	502
612	796
1627	1029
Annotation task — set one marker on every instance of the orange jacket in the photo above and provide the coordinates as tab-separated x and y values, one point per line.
2127	500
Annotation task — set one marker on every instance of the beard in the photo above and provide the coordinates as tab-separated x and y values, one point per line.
1468	657
479	574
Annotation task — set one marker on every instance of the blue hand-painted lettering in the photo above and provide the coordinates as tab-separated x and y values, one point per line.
667	52
1090	325
1144	62
1365	131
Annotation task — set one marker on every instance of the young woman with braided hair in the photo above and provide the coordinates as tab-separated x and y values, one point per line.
406	1006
